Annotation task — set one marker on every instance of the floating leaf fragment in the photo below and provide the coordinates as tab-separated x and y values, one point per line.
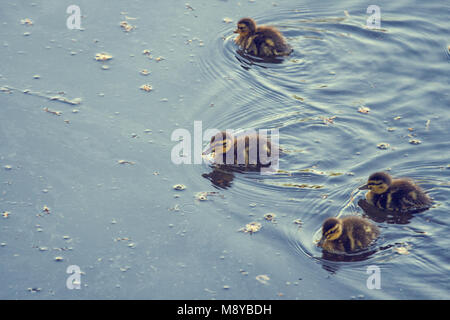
401	250
103	56
383	145
179	187
227	20
57	113
146	87
364	110
125	162
251	227
270	216
126	26
415	141
144	72
262	278
26	21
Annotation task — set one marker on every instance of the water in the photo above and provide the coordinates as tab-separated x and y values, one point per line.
105	173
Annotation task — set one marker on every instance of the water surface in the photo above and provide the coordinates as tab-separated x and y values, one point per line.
103	167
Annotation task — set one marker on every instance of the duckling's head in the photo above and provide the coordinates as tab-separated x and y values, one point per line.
378	182
331	230
245	26
220	144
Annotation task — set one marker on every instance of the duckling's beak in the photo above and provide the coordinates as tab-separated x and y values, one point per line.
321	242
364	187
236	31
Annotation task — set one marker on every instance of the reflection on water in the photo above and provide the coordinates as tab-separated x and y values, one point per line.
220	177
379	215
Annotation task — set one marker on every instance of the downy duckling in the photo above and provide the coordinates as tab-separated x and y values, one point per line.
262	41
347	235
247	149
394	194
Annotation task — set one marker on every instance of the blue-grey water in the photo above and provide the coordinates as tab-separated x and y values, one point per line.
87	179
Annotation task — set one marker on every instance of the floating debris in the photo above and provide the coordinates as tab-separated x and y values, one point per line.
144	72
59	259
57	113
179	187
328	120
364	110
65	100
203	196
46	209
427	125
227	20
270	216
7	167
303	186
34	289
263	278
6	214
251	227
146	52
298	222
26	21
146	87
391	129
158	59
401	250
36	76
103	56
415	141
397	118
298	97
383	146
125	162
126	26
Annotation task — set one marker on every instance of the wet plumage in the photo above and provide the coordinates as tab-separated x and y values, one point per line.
261	41
244	149
395	194
347	235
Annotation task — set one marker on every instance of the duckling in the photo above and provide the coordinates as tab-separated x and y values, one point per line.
248	149
347	235
262	41
394	194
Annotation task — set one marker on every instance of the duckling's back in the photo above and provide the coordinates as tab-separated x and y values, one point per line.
403	194
359	232
270	41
